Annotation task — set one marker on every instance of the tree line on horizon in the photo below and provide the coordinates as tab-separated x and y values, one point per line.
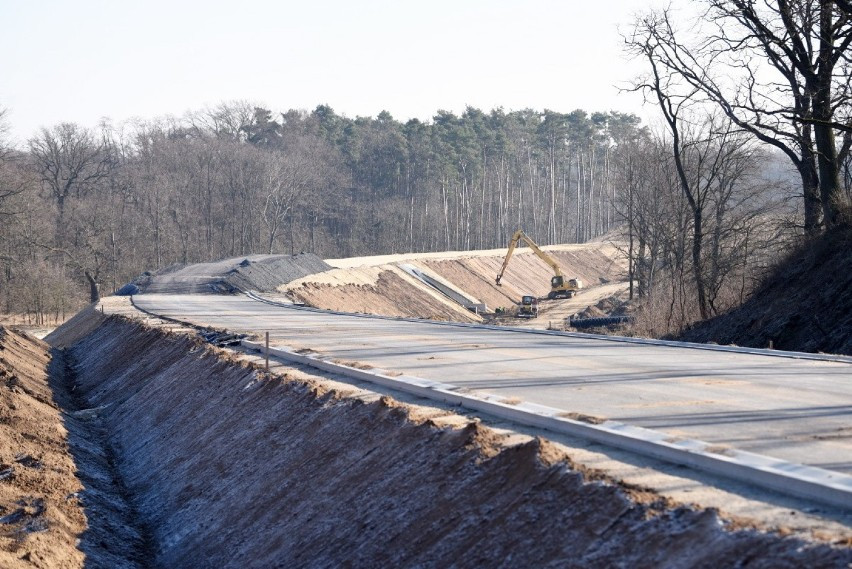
95	207
751	159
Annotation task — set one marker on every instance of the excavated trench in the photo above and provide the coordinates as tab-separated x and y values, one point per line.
115	536
193	458
62	502
134	447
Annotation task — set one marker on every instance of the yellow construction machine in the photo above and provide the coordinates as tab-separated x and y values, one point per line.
559	286
528	307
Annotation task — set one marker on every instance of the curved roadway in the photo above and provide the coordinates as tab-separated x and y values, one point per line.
797	410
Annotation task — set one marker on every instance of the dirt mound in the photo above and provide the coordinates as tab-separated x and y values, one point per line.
230	468
591	312
267	274
263	273
384	290
76	328
805	305
40	513
607	306
377	285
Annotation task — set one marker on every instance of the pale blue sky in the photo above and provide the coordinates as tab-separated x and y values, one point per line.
79	60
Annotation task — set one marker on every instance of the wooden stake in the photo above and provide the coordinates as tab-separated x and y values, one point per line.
267	351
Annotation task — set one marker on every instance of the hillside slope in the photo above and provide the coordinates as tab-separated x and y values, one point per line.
805	305
379	285
231	467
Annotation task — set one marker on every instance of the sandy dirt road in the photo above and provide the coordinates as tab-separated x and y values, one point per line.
552	313
793	409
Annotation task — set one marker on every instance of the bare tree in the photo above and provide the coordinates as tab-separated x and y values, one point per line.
778	70
710	154
69	161
13	181
232	119
281	183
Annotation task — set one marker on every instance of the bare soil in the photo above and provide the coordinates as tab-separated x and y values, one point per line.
262	273
41	514
590	303
229	467
377	285
805	305
61	504
390	293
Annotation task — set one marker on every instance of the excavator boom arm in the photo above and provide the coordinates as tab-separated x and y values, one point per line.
542	255
513	242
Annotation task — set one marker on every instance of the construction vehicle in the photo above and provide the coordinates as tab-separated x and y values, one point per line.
559	286
528	308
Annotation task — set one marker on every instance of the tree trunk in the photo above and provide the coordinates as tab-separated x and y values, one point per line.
697	240
94	294
810	184
829	172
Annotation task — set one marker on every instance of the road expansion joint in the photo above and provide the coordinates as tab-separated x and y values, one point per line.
622	339
823	486
812	483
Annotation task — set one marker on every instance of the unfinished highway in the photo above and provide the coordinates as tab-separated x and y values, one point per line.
795	409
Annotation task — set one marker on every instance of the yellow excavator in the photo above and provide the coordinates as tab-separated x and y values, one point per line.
559	286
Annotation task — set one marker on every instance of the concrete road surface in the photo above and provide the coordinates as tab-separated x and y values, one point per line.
792	409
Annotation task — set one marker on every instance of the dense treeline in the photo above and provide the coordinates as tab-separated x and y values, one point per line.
86	210
94	208
752	154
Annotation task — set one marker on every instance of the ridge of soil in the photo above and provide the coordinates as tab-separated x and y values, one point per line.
262	273
231	467
392	293
41	513
61	505
377	285
804	305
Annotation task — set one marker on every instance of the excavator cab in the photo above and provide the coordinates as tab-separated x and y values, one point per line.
559	287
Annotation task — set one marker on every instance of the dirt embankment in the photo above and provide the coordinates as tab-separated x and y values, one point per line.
41	514
805	305
231	468
384	290
262	273
378	286
526	273
61	505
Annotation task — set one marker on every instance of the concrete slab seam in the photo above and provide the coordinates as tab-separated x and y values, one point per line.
824	486
622	339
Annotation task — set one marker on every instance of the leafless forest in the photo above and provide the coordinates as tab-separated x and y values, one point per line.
750	156
86	210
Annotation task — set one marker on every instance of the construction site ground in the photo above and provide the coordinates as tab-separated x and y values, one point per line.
165	451
227	466
378	285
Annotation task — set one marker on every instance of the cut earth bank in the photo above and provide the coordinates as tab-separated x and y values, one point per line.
61	505
384	284
227	466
